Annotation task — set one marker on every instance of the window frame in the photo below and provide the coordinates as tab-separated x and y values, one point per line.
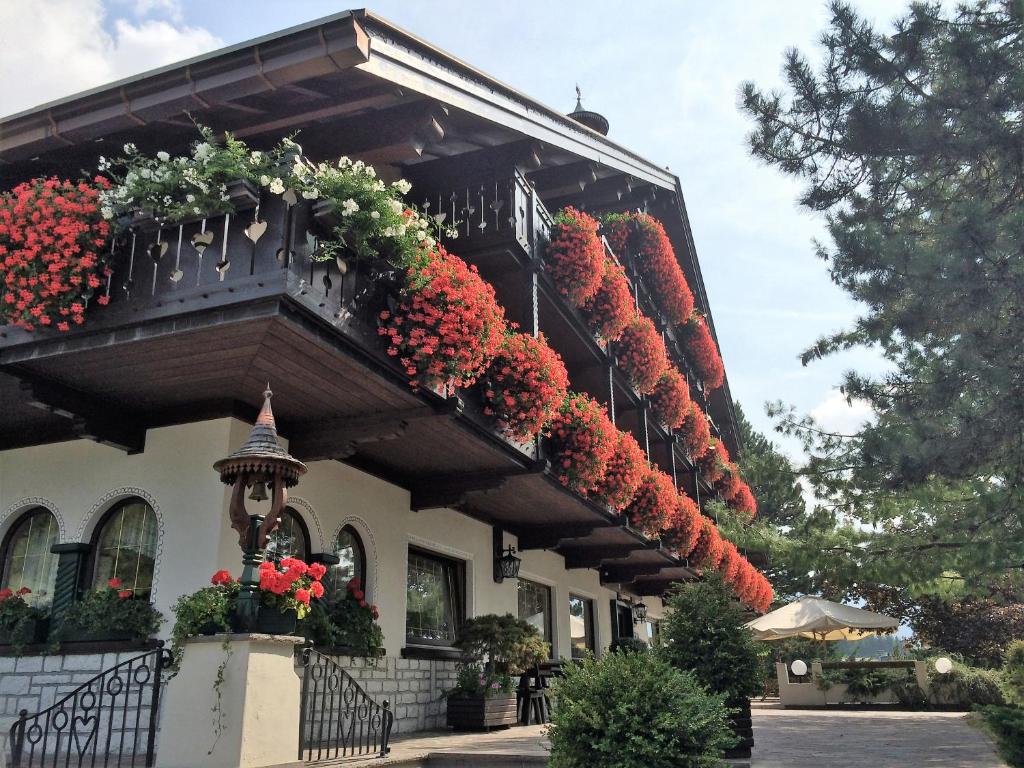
549	624
90	572
459	602
589	626
8	543
351	530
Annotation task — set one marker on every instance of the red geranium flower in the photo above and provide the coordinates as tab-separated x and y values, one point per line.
583	439
114	583
24	591
670	399
624	473
317	589
221	577
124	594
703	353
52	238
744	501
317	571
641	354
653	504
575	256
708	551
524	385
683	527
715	462
645	238
303	596
695	431
448	324
5	593
612	307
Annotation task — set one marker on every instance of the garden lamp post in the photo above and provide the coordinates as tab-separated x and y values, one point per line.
260	464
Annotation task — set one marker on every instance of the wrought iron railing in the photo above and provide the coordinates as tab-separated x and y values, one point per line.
337	718
110	720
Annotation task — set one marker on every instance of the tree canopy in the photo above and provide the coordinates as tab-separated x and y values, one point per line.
911	144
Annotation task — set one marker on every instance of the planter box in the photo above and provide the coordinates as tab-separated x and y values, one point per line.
742	728
474	714
70	634
271	622
30	632
243	195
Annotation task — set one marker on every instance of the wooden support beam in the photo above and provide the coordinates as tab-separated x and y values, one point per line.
594	557
454	490
564	180
623	574
90	418
549	536
340	438
489	164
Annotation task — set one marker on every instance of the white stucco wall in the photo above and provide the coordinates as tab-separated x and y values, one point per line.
80	480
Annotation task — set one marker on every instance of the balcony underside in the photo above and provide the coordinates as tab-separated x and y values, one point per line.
336	396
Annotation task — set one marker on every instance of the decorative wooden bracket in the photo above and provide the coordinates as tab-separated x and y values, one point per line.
594	557
549	536
90	418
623	574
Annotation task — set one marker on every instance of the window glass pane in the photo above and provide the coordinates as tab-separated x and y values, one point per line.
535	606
126	548
433	589
351	562
29	562
288	539
581	626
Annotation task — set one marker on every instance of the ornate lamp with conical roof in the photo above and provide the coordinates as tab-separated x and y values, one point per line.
593	120
259	464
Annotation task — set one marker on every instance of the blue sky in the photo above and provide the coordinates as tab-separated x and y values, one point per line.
665	74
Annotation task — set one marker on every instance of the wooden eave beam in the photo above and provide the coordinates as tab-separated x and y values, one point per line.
561	180
623	574
490	164
340	438
550	536
89	417
594	557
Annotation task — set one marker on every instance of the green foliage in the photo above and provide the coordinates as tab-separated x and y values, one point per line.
343	625
964	687
863	684
1013	674
1007	725
506	644
910	144
703	634
630	645
18	620
206	611
108	612
634	710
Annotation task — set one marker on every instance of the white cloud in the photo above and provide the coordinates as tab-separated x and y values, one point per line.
835	414
54	48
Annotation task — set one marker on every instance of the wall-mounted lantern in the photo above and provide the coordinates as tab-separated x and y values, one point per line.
506	564
639	613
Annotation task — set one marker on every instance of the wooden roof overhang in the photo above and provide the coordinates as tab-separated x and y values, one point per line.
354	84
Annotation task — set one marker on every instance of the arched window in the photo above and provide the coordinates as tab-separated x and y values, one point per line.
27	559
351	561
125	547
290	539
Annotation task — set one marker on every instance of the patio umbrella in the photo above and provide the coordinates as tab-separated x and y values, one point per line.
820	619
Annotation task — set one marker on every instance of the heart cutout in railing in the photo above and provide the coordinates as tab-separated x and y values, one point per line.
202	240
255	230
84	727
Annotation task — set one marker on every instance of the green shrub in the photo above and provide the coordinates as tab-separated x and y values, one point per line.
1007	725
634	710
633	644
965	687
504	643
704	634
1013	673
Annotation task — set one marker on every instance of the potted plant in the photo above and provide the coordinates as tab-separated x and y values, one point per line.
20	623
286	589
494	649
347	625
109	613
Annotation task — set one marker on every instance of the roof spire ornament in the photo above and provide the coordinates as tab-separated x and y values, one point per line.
592	120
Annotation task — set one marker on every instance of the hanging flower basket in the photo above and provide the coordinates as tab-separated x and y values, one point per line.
715	462
612	307
653	505
731	563
624	473
708	551
641	354
575	256
52	243
583	440
447	326
670	399
695	432
655	258
683	527
744	501
524	385
703	353
730	483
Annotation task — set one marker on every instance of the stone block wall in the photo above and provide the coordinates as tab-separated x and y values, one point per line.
412	686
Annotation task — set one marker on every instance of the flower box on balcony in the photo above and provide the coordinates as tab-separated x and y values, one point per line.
473	713
243	194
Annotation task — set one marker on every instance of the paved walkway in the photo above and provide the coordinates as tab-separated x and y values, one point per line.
794	738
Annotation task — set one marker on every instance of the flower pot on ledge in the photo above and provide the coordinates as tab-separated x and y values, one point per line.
474	713
271	622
